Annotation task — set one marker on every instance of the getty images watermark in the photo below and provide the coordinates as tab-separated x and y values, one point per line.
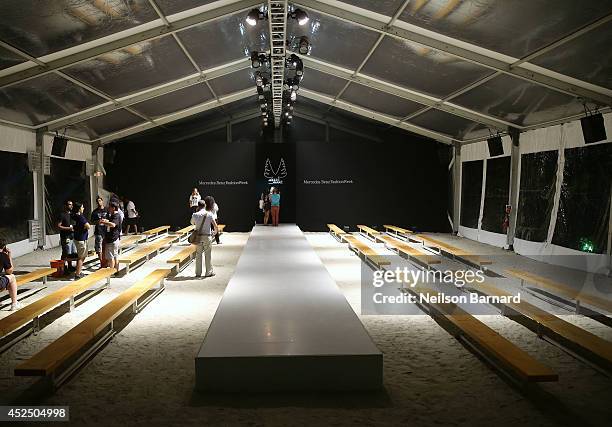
399	286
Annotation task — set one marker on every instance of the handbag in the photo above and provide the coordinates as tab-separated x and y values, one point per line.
194	237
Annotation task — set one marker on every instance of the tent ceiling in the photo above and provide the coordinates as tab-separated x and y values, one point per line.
451	70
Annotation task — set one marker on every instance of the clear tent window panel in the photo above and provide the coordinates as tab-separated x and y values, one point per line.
17	196
321	82
497	194
588	57
174	101
384	7
108	123
515	28
420	68
169	7
519	101
446	123
225	40
332	40
135	67
242	106
43	99
234	82
536	195
378	101
8	58
584	205
42	27
471	191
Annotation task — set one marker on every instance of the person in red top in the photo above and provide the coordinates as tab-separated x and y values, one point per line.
7	278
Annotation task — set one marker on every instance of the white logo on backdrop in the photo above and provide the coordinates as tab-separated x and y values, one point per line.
275	177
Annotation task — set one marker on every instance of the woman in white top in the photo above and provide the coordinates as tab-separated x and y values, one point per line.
194	199
132	216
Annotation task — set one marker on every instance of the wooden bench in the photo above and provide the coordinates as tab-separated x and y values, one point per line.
11	325
398	230
156	231
452	250
596	349
369	232
572	294
498	350
408	251
145	252
335	231
183	257
35	275
365	251
59	360
184	232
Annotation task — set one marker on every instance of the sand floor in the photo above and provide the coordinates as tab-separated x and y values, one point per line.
145	375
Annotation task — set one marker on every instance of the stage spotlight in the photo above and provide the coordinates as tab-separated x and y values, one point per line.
255	63
253	16
259	81
304	45
293	95
300	16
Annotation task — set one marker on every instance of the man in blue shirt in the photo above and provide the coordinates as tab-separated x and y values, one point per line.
275	202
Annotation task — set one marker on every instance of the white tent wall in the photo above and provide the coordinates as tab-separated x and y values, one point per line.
17	140
558	137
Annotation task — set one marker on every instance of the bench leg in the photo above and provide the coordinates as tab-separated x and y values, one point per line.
107	282
71	303
58	380
147	300
44	280
36	325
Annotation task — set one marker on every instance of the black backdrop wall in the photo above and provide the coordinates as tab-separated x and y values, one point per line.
346	182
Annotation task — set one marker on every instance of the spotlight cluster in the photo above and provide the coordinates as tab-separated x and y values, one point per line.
256	15
261	62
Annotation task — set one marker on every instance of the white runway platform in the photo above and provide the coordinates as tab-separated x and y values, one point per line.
283	324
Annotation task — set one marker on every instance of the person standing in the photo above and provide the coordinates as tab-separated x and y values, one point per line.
132	216
99	213
64	225
275	206
111	235
205	226
194	200
266	208
7	278
215	212
81	234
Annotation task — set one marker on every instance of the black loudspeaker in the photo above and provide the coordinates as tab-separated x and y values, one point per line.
593	128
59	146
496	147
